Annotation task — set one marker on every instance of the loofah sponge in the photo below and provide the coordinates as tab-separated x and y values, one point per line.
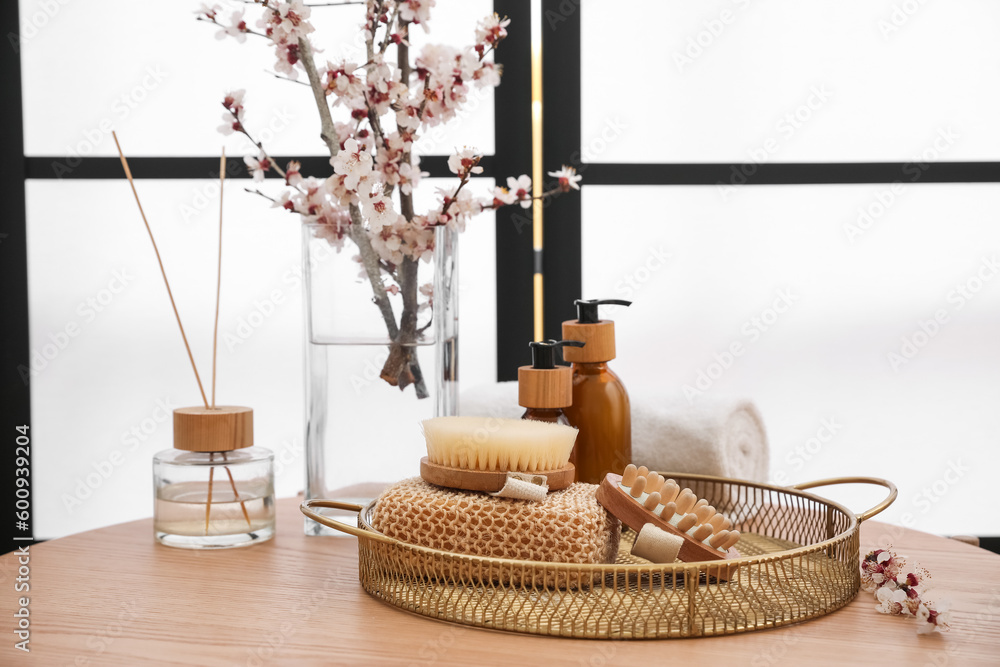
569	526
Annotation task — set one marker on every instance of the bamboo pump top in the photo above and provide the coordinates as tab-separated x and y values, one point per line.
543	385
599	335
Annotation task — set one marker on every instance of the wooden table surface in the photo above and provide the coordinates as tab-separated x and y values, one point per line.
115	597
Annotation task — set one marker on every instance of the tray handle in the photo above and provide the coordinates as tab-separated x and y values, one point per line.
308	506
878	481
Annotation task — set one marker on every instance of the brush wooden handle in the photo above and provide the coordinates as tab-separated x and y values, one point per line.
618	501
490	481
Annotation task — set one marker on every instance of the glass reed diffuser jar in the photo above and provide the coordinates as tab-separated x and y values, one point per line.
214	489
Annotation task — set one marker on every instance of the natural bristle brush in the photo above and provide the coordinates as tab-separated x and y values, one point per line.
481	453
640	497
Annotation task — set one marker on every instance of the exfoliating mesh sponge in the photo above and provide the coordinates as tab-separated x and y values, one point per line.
569	526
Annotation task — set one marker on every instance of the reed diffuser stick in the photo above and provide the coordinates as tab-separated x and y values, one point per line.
128	174
218	284
211	479
232	483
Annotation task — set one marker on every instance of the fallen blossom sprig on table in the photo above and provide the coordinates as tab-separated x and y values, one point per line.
899	589
384	105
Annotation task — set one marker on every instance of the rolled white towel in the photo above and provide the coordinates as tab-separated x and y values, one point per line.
713	436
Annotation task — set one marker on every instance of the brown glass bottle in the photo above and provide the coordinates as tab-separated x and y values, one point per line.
600	408
602	412
551	415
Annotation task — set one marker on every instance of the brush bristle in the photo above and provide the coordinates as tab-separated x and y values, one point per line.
489	443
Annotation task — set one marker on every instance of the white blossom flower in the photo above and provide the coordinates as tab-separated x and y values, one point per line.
352	162
416	11
209	12
891	601
288	57
502	196
345	85
520	187
293	19
237	28
487	74
257	166
491	30
376	207
933	620
292	175
409	176
568	178
285	201
464	162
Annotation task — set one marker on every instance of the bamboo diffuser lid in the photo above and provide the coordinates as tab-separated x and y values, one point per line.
599	335
220	429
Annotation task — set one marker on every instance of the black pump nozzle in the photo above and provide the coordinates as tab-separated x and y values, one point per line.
586	310
543	352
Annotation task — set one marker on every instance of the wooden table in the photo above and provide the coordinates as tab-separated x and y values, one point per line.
115	597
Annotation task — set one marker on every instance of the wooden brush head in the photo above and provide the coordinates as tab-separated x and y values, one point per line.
222	429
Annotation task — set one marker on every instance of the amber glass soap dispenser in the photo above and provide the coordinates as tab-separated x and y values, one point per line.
600	407
544	388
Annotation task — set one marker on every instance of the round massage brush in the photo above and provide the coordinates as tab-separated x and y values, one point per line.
671	522
481	453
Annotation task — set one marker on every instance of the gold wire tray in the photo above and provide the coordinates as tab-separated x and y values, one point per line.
799	560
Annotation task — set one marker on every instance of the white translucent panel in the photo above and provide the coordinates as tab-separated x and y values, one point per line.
891	333
158	76
735	80
108	360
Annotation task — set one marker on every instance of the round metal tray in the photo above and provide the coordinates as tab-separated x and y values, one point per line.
799	560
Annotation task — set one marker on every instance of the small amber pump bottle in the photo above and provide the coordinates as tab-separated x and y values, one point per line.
600	408
544	388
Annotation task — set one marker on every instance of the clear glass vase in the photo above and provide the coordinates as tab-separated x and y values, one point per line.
363	433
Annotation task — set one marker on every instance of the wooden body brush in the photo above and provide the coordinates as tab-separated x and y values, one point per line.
640	497
478	453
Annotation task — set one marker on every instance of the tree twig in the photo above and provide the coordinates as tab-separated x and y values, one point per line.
328	131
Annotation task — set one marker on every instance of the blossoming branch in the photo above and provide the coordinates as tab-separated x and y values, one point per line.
383	107
899	590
